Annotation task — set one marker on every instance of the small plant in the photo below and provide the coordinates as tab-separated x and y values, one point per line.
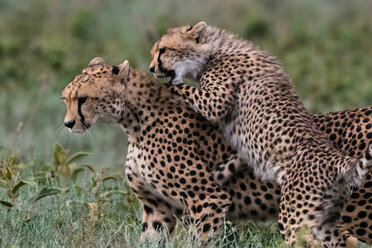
97	180
10	180
62	161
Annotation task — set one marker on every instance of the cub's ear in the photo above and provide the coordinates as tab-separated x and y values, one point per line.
197	32
122	69
96	61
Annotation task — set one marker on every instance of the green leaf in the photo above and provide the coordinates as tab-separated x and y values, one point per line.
112	192
12	160
8	174
57	149
75	173
2	174
76	156
18	186
6	204
43	193
89	168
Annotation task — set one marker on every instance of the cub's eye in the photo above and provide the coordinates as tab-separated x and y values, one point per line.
161	50
82	100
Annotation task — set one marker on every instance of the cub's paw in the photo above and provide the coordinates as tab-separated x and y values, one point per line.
177	81
223	172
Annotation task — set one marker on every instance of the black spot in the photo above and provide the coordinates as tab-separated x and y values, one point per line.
206	228
147	209
362	214
115	70
346	219
268	196
361	232
350	208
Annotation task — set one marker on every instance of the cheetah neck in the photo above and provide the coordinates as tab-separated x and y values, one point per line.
141	98
224	45
222	42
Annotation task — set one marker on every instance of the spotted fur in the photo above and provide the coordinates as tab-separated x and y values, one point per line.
252	99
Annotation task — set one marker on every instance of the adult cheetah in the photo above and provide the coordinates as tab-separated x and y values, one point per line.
141	107
252	99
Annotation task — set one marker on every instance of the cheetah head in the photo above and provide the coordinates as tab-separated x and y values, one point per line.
94	95
181	52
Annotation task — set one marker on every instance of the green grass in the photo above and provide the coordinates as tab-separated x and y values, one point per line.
90	214
83	215
324	46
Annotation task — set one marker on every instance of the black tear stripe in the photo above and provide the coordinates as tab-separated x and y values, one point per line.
160	63
168	73
82	118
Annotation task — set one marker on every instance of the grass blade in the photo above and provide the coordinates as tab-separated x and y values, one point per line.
43	193
6	204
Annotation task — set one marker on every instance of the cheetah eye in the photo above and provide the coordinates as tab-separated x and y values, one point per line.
82	100
161	50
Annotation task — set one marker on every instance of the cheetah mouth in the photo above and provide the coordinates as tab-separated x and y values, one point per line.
167	73
77	131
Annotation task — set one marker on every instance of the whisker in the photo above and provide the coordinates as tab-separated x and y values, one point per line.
65	135
90	134
87	131
59	132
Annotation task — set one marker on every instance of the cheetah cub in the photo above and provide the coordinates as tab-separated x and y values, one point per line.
252	99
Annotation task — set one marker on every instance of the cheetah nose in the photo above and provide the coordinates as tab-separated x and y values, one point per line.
152	69
70	124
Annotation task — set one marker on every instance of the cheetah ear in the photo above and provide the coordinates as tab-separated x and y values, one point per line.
122	69
96	61
197	32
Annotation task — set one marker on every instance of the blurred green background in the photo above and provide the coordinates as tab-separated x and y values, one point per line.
324	45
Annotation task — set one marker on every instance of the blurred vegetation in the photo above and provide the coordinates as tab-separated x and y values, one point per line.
324	46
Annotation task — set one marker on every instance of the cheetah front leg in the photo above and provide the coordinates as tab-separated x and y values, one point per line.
213	100
335	235
157	217
208	213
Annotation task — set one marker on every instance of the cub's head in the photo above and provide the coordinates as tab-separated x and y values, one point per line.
94	95
180	52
